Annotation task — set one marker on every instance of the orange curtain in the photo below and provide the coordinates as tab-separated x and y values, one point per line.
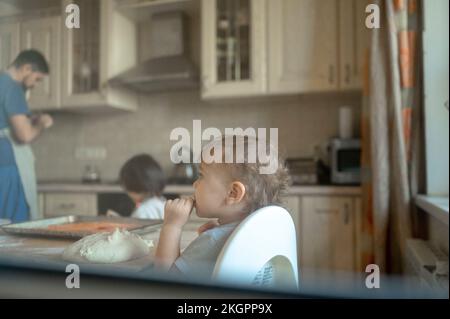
392	132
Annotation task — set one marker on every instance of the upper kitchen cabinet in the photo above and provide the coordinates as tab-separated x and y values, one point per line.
316	45
362	39
281	47
354	39
44	34
233	48
303	45
103	46
9	43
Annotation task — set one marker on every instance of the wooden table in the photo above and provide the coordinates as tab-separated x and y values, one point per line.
49	250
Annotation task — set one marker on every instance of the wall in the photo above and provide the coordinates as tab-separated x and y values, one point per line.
436	82
438	234
303	122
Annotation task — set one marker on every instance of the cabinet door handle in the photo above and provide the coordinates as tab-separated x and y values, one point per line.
347	73
331	74
346	214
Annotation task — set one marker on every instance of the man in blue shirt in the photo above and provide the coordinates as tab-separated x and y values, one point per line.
18	128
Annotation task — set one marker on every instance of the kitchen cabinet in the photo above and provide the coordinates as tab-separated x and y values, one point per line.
9	43
358	231
327	51
303	38
327	234
354	39
64	204
44	35
347	48
104	46
81	60
296	46
362	38
233	48
292	204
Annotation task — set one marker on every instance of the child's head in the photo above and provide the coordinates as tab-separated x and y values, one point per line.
142	177
233	190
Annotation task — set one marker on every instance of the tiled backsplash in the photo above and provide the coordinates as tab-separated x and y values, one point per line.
302	122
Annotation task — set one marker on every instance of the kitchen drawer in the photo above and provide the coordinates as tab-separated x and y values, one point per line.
70	204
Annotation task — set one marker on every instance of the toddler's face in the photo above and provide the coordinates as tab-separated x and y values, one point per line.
210	191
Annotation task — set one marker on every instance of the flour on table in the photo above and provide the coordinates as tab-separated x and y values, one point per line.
115	247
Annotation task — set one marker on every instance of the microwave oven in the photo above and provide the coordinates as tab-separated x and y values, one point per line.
345	161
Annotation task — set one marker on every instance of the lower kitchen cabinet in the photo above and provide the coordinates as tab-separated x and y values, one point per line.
326	234
63	204
292	204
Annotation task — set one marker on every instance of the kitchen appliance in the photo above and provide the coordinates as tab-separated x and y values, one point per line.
170	67
303	171
91	175
183	173
345	161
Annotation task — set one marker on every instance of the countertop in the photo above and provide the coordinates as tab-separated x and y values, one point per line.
73	187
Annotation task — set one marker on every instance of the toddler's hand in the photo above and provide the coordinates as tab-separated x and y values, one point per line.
177	211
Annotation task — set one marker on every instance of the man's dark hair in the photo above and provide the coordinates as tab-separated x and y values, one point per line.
34	58
142	174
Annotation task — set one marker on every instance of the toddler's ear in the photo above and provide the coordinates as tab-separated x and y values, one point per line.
236	193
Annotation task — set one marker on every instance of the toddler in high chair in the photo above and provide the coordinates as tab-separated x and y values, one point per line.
228	192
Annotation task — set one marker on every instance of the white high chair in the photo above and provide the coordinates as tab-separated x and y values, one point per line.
261	251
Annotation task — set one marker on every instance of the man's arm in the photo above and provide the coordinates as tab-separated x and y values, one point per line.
25	131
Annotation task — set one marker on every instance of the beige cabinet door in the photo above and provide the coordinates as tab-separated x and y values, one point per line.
9	43
347	45
327	233
354	38
105	46
292	204
233	48
362	39
44	35
63	204
358	233
303	45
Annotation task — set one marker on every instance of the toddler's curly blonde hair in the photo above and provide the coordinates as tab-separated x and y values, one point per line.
261	189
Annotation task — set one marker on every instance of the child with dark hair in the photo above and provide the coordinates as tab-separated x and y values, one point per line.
143	179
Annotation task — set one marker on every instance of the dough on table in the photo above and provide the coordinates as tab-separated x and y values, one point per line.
107	247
